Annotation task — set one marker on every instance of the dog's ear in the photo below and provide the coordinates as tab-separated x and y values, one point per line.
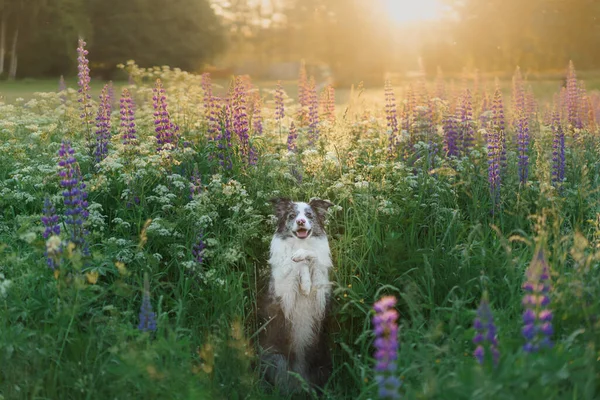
281	205
320	206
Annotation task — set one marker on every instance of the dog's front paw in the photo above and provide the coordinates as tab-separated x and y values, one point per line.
305	281
302	255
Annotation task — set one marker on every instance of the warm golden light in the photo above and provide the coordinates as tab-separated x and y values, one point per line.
409	11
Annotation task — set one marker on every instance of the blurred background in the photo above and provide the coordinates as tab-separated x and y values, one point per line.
341	41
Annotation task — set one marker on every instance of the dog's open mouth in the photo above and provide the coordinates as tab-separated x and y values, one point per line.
302	233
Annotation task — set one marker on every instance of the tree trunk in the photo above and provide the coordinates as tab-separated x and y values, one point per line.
12	71
2	42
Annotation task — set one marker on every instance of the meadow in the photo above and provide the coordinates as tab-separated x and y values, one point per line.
134	234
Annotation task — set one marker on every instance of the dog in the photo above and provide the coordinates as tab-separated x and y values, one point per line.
294	336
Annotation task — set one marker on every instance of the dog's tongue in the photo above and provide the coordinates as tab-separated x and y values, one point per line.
302	233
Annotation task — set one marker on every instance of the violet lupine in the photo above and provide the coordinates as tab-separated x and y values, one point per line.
166	131
313	114
386	347
147	316
391	115
74	196
128	132
558	148
485	337
198	248
103	126
499	124
279	108
291	139
241	123
450	128
223	138
572	98
210	107
522	129
84	94
466	132
257	121
50	220
494	155
537	317
330	103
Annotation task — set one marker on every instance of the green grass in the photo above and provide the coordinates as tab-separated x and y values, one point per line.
426	237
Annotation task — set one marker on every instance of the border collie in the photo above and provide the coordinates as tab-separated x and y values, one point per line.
294	311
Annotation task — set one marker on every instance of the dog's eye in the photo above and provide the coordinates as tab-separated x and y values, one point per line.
309	215
291	216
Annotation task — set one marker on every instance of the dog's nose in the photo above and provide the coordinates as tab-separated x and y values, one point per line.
300	221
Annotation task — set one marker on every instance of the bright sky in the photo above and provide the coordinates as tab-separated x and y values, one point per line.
407	11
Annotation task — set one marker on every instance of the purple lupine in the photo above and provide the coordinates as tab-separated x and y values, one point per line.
313	113
291	139
391	115
257	121
450	128
210	107
74	196
522	128
198	248
128	132
330	103
147	316
304	95
558	148
572	98
386	347
50	220
499	124
494	155
466	132
582	112
485	337
241	123
279	108
103	126
223	137
84	94
166	131
537	317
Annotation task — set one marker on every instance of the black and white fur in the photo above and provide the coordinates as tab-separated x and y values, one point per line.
299	290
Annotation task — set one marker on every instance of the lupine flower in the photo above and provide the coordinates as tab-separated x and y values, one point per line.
50	221
391	115
128	132
304	95
257	122
494	153
74	194
466	131
210	107
147	316
537	317
198	249
498	123
450	136
240	117
84	93
292	136
558	148
279	108
313	114
485	333
166	131
103	126
523	146
223	139
329	105
572	98
386	347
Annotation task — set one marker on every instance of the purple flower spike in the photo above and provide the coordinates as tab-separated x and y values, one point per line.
75	196
198	249
279	108
128	132
292	136
386	347
485	333
103	126
558	149
391	115
257	121
166	131
537	326
211	110
313	113
147	316
84	94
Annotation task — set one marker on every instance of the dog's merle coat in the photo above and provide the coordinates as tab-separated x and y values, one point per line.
294	338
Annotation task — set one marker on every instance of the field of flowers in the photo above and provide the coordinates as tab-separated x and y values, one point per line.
134	234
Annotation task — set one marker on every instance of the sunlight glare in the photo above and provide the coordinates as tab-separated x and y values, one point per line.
410	11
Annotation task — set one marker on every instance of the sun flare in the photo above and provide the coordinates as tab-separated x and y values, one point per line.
409	11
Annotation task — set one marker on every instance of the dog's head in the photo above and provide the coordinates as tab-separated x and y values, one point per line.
300	220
